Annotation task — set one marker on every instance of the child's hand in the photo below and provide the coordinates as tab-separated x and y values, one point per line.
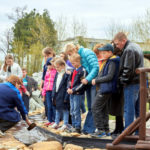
69	91
84	81
43	99
93	82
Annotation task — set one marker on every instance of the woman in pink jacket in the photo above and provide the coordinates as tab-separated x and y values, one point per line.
47	92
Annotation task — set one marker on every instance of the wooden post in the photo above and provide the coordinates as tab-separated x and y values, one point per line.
142	127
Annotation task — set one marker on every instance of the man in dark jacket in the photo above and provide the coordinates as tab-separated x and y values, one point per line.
131	59
31	85
10	99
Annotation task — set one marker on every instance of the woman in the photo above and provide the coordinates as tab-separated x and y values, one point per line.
10	68
9	116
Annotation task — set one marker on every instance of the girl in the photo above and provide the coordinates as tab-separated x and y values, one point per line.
59	94
48	54
47	92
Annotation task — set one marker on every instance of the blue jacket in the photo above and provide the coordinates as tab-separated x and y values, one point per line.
61	97
9	99
108	77
78	88
90	62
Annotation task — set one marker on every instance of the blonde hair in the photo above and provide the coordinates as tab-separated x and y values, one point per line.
14	79
60	62
75	57
9	56
95	49
71	48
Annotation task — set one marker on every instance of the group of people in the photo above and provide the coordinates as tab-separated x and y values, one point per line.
105	76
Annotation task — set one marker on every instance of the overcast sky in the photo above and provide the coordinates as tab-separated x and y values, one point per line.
96	14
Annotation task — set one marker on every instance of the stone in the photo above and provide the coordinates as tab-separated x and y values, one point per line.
53	145
73	147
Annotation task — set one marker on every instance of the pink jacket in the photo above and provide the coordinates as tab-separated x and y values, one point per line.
49	80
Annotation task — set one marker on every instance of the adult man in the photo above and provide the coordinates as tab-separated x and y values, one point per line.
31	85
10	99
131	59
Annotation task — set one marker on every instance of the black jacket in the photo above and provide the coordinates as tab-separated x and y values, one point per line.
131	59
78	87
61	97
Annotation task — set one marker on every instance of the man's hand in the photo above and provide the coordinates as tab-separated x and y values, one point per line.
27	93
93	82
84	81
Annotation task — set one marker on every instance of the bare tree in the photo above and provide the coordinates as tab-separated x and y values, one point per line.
61	27
5	41
18	13
78	28
114	27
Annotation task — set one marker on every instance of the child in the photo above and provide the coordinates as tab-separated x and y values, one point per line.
60	95
47	92
107	81
76	90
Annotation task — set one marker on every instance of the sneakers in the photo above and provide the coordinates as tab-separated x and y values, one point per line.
48	123
55	126
2	134
63	128
116	132
100	133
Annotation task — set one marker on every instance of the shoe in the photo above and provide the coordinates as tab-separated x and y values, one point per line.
47	124
77	130
2	134
116	132
85	132
98	134
64	127
55	126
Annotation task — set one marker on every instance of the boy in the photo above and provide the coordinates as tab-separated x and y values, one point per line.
107	81
76	90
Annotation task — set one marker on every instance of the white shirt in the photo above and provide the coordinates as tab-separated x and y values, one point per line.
59	78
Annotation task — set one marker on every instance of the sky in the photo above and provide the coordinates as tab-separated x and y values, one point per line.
96	14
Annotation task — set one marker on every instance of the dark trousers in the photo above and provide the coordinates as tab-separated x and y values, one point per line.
26	101
50	108
5	125
100	111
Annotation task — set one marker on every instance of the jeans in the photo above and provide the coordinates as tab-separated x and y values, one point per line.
75	105
50	107
65	116
131	103
89	126
83	110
